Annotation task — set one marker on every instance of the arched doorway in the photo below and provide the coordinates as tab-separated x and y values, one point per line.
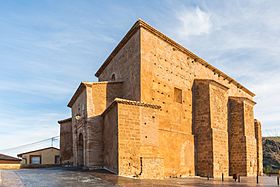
80	160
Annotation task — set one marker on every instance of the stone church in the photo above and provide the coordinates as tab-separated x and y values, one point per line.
160	111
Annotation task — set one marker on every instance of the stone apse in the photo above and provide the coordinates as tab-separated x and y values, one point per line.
160	111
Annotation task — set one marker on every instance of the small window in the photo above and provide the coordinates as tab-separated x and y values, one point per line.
35	159
113	77
177	95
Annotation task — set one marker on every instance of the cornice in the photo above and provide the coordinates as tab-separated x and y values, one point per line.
130	102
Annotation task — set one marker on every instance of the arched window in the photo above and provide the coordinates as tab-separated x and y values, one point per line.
113	77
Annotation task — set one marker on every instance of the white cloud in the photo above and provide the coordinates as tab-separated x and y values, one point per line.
242	39
194	22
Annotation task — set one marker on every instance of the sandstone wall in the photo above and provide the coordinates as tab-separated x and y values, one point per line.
210	128
237	144
99	96
66	142
242	141
90	104
155	143
258	135
110	139
251	143
165	68
78	125
162	61
102	95
126	67
139	141
219	125
161	75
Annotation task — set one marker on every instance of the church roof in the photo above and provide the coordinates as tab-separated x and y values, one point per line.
141	24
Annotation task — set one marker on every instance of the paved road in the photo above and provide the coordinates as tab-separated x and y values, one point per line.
60	177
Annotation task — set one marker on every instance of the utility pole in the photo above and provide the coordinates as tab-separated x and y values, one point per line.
52	141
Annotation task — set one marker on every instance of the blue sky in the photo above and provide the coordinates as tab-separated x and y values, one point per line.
48	47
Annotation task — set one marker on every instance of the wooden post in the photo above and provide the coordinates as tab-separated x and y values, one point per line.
222	176
257	178
278	180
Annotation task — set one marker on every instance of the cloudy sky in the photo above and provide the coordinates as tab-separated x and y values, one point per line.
48	47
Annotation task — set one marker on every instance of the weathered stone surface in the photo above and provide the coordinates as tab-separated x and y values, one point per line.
258	135
210	128
160	111
242	141
66	141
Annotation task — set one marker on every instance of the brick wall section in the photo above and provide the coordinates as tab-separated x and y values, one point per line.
258	135
210	125
66	142
242	141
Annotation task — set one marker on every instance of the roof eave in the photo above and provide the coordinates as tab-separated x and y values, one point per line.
80	89
64	120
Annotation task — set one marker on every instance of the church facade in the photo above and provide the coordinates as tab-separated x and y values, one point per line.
160	111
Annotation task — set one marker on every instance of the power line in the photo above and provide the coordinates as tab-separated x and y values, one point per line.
25	145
